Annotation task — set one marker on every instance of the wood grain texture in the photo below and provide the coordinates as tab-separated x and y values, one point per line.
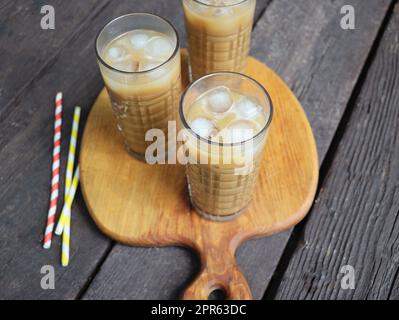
355	220
297	53
142	205
45	62
303	42
26	136
25	144
27	49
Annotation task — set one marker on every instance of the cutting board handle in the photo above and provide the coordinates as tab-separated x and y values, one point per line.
219	272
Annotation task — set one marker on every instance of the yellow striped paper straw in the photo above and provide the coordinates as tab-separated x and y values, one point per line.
71	160
66	210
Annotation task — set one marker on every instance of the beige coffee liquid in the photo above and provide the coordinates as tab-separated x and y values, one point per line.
145	90
222	177
219	34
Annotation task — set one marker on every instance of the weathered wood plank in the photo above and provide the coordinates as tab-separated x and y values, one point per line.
26	134
26	141
303	41
27	48
355	220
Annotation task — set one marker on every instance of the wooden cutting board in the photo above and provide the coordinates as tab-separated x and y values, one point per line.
147	205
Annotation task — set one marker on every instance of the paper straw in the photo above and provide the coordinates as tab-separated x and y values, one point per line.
55	177
68	204
72	150
71	160
67	220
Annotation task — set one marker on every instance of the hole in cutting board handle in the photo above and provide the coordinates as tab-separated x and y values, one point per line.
217	294
227	283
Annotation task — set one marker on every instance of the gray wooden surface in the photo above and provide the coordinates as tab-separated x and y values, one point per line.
355	220
309	65
26	117
323	64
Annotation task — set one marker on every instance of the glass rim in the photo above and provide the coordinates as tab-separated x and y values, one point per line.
187	126
175	51
219	5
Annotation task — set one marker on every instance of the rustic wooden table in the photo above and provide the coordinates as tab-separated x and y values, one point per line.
348	83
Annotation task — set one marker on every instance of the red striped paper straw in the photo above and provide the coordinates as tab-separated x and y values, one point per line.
55	177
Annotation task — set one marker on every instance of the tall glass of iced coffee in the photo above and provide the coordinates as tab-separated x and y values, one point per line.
139	59
219	34
225	118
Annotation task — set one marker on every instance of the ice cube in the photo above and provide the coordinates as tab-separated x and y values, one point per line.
220	12
148	65
203	127
139	40
219	100
239	131
127	65
116	52
219	2
230	2
247	108
159	48
210	2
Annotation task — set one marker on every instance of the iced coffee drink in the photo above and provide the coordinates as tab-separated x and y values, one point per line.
225	117
139	60
219	34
